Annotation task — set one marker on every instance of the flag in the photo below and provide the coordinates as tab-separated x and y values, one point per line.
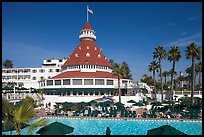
90	10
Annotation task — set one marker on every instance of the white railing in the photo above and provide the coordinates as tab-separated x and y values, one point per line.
187	92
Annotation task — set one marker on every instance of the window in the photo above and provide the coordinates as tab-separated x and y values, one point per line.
99	82
34	78
48	77
57	70
109	82
66	81
60	60
99	56
34	71
77	81
88	81
76	55
88	55
57	82
124	82
48	60
49	82
50	70
87	47
42	70
41	78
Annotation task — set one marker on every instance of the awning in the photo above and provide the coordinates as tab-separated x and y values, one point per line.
64	90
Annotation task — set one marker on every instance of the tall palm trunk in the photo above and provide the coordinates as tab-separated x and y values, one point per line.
119	92
161	80
172	81
165	79
199	78
155	95
193	80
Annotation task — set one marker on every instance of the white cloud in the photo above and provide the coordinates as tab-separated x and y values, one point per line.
194	17
183	33
197	37
168	25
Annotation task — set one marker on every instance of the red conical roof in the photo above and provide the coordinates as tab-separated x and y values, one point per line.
87	26
87	53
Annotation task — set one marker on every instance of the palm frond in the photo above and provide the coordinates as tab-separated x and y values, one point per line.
42	122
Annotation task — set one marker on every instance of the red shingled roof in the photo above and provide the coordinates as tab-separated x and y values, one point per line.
87	46
87	26
78	74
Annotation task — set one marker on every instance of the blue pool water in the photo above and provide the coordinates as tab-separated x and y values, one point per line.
120	127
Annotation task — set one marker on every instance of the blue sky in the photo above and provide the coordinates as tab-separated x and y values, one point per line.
128	32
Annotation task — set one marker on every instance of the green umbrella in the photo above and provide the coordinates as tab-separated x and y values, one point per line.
131	101
198	104
165	130
157	104
119	104
108	131
185	102
7	88
138	104
68	104
169	102
101	104
55	128
108	102
92	102
82	103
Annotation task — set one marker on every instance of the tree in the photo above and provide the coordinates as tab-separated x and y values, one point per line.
194	53
165	74
147	79
153	67
20	114
111	61
126	73
174	55
8	64
117	70
199	71
160	54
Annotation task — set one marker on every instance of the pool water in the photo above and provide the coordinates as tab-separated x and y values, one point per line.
119	127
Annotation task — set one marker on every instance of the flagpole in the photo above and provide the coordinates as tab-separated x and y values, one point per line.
87	15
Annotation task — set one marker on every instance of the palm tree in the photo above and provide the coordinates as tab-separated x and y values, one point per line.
199	71
174	55
160	53
117	70
194	53
8	64
154	68
165	74
19	115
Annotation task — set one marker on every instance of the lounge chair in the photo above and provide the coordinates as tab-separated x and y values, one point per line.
126	113
144	115
134	115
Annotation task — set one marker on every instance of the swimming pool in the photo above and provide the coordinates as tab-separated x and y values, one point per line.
120	127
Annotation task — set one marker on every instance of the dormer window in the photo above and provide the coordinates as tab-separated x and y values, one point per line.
105	58
80	48
87	47
95	48
76	55
88	55
99	56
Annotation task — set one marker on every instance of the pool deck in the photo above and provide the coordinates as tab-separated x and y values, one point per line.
125	118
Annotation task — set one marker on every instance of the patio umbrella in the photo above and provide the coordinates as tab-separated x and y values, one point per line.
55	128
169	102
82	103
186	102
138	104
198	104
92	102
157	104
108	131
165	130
101	104
131	101
107	102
